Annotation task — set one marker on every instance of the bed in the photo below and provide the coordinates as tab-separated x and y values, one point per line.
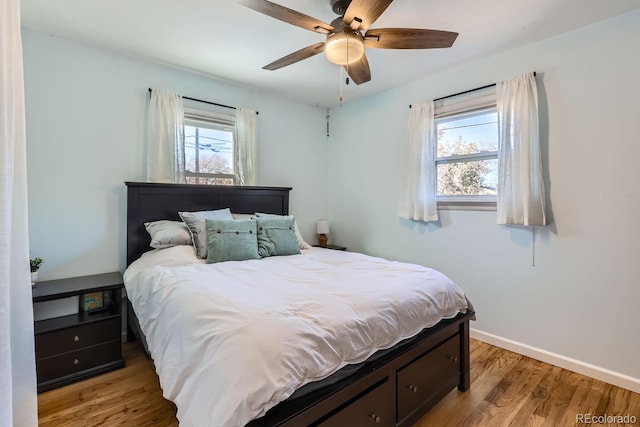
392	383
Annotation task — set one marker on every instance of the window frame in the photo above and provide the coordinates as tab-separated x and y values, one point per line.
482	100
194	115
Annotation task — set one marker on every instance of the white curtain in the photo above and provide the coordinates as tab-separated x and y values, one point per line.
418	193
521	199
18	397
247	146
165	138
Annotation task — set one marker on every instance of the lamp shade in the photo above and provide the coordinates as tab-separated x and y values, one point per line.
322	226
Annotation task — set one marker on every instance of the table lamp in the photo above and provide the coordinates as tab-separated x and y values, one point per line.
322	229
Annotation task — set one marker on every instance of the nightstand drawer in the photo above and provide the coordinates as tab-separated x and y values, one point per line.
70	339
76	361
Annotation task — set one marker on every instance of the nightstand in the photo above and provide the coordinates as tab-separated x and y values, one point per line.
83	344
334	247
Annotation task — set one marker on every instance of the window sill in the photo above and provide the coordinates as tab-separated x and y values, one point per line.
467	206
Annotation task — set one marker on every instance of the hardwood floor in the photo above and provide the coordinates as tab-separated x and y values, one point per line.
507	389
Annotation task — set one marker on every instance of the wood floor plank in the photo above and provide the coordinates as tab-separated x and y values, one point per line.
516	389
554	407
582	401
507	389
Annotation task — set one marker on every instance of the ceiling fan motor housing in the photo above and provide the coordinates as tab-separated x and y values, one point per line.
339	7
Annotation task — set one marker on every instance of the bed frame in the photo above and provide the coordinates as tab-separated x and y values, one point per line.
394	388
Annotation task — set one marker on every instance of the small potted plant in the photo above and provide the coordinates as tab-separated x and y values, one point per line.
34	264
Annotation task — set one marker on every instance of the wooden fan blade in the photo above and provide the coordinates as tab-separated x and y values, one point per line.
362	13
408	38
287	15
296	56
359	71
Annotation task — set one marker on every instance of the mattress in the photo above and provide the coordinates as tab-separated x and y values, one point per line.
233	339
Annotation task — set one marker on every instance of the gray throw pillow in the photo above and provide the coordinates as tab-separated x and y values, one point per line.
276	236
232	240
195	221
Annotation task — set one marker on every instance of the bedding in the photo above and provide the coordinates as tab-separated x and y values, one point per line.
232	339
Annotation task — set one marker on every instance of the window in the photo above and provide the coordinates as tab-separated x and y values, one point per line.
467	151
209	140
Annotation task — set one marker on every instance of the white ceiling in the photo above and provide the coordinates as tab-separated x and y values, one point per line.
222	39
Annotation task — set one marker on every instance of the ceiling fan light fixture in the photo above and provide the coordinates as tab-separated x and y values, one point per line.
345	47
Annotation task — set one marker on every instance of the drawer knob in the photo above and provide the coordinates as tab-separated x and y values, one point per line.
76	338
412	388
375	417
76	361
453	358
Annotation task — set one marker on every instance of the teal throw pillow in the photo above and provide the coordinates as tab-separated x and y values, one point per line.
277	236
231	240
195	221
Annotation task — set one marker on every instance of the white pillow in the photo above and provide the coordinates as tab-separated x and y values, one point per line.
196	222
165	233
301	243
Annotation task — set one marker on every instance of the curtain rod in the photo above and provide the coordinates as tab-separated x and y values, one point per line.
468	91
206	102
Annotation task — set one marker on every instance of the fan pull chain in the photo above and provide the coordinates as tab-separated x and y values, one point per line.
328	117
347	79
340	86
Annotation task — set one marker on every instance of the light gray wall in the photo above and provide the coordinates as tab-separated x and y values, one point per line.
581	298
86	110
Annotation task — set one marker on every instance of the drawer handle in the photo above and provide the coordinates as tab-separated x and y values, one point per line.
412	388
453	358
375	417
76	361
76	338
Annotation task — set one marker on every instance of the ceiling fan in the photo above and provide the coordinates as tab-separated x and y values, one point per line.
349	34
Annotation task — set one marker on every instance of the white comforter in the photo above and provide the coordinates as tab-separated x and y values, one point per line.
231	340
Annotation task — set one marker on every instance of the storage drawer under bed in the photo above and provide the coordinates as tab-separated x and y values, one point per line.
435	372
374	408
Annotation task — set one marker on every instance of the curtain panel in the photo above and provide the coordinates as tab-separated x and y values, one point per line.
247	146
18	396
418	192
165	138
521	196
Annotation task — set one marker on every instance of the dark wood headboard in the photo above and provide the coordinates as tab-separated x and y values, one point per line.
148	201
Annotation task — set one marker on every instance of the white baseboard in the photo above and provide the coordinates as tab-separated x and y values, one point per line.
602	374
